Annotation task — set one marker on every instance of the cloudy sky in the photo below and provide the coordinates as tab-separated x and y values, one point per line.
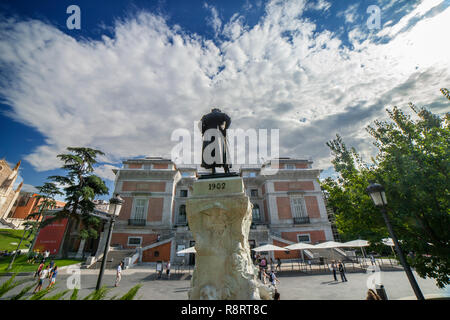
136	70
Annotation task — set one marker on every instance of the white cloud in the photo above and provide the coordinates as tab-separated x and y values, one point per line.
320	5
105	171
125	95
350	14
214	21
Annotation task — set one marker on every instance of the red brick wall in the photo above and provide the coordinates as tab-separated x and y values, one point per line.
134	166
293	254
143	186
315	236
301	165
125	212
160	166
297	185
164	253
266	212
155	209
122	238
312	206
284	208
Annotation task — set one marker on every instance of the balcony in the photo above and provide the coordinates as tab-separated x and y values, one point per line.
301	220
136	222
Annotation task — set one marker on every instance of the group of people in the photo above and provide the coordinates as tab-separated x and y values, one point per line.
46	272
268	274
36	255
159	269
338	267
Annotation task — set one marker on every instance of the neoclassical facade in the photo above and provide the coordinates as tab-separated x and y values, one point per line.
8	194
288	207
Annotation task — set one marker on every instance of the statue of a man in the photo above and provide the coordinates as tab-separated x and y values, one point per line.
214	127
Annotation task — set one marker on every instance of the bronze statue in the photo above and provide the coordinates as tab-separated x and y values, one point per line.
214	127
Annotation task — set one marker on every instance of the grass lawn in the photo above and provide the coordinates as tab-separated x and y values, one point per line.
21	265
8	236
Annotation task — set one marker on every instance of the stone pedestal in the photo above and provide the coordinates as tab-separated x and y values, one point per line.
219	215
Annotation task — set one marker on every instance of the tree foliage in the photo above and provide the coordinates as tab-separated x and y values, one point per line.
81	187
412	164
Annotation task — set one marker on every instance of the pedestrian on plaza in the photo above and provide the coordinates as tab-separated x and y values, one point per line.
52	276
52	264
372	259
264	276
372	295
333	269
168	269
43	274
46	254
39	269
278	264
342	271
118	274
263	263
309	263
271	264
273	279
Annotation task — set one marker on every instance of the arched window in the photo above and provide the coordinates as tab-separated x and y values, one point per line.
256	214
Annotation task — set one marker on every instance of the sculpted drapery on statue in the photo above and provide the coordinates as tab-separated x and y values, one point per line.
214	127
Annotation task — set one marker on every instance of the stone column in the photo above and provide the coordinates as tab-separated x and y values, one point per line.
80	249
219	215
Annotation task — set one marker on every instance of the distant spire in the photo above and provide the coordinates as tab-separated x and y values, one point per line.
20	186
17	165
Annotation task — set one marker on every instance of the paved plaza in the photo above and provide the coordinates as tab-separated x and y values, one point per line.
293	285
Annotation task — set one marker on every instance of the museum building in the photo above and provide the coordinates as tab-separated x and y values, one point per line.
288	207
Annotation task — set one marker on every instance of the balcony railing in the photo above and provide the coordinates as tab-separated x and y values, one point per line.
136	222
301	220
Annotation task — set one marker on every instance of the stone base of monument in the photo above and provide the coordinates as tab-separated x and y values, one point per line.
219	215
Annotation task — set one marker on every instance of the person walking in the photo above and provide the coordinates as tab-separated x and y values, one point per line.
264	276
278	267
39	269
276	295
118	274
168	269
273	279
46	254
342	271
43	274
333	269
271	264
52	276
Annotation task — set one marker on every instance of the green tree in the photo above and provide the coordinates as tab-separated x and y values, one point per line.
412	164
81	187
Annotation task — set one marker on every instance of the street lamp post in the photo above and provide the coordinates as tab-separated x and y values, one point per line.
115	204
376	192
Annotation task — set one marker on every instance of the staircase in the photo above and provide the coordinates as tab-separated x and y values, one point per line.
331	254
114	258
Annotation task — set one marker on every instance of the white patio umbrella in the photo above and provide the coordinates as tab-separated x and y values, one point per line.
300	246
188	250
388	242
328	245
356	243
268	247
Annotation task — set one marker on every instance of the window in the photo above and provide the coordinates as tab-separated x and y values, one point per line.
297	207
139	209
183	193
147	166
254	192
304	238
156	253
256	214
290	166
252	174
182	214
134	241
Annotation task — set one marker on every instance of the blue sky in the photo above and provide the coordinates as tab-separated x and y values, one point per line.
137	69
